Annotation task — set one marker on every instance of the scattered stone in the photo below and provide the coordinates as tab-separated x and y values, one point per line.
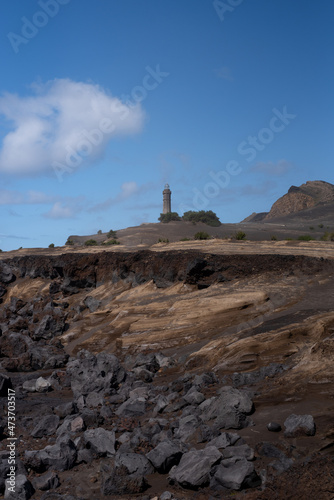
187	427
166	495
42	385
48	481
194	397
194	468
77	425
118	481
165	455
251	378
224	440
230	409
23	489
46	426
100	441
90	373
94	399
299	425
65	409
132	408
60	456
29	385
274	427
282	463
136	464
242	451
235	475
92	303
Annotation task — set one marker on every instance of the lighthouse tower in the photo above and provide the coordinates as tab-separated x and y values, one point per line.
167	206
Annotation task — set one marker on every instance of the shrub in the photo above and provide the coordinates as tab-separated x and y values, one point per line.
327	236
112	234
169	216
1	250
273	238
52	245
305	237
112	242
208	217
99	231
311	228
163	240
90	243
69	242
201	235
321	226
185	239
240	235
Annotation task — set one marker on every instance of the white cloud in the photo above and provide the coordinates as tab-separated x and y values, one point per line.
65	122
60	211
8	197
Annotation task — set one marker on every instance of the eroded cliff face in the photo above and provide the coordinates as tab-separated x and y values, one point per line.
187	326
302	197
139	301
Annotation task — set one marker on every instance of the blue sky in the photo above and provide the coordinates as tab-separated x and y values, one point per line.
102	102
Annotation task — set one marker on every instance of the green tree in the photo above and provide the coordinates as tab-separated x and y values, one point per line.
52	245
112	234
169	216
206	216
90	243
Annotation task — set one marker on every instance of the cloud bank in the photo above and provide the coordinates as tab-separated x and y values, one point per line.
65	123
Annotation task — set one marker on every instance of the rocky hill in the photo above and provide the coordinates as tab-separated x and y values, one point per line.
299	198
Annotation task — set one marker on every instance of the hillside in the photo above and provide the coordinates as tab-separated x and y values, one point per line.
307	198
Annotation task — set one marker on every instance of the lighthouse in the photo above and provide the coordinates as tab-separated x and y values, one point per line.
167	206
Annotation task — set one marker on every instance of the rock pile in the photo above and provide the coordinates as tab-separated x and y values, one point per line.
136	429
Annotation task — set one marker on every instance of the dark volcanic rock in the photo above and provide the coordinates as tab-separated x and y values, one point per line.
230	409
116	480
299	425
23	489
90	373
194	468
92	303
100	441
274	427
132	407
48	481
165	455
60	456
6	274
235	474
282	462
46	426
136	464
